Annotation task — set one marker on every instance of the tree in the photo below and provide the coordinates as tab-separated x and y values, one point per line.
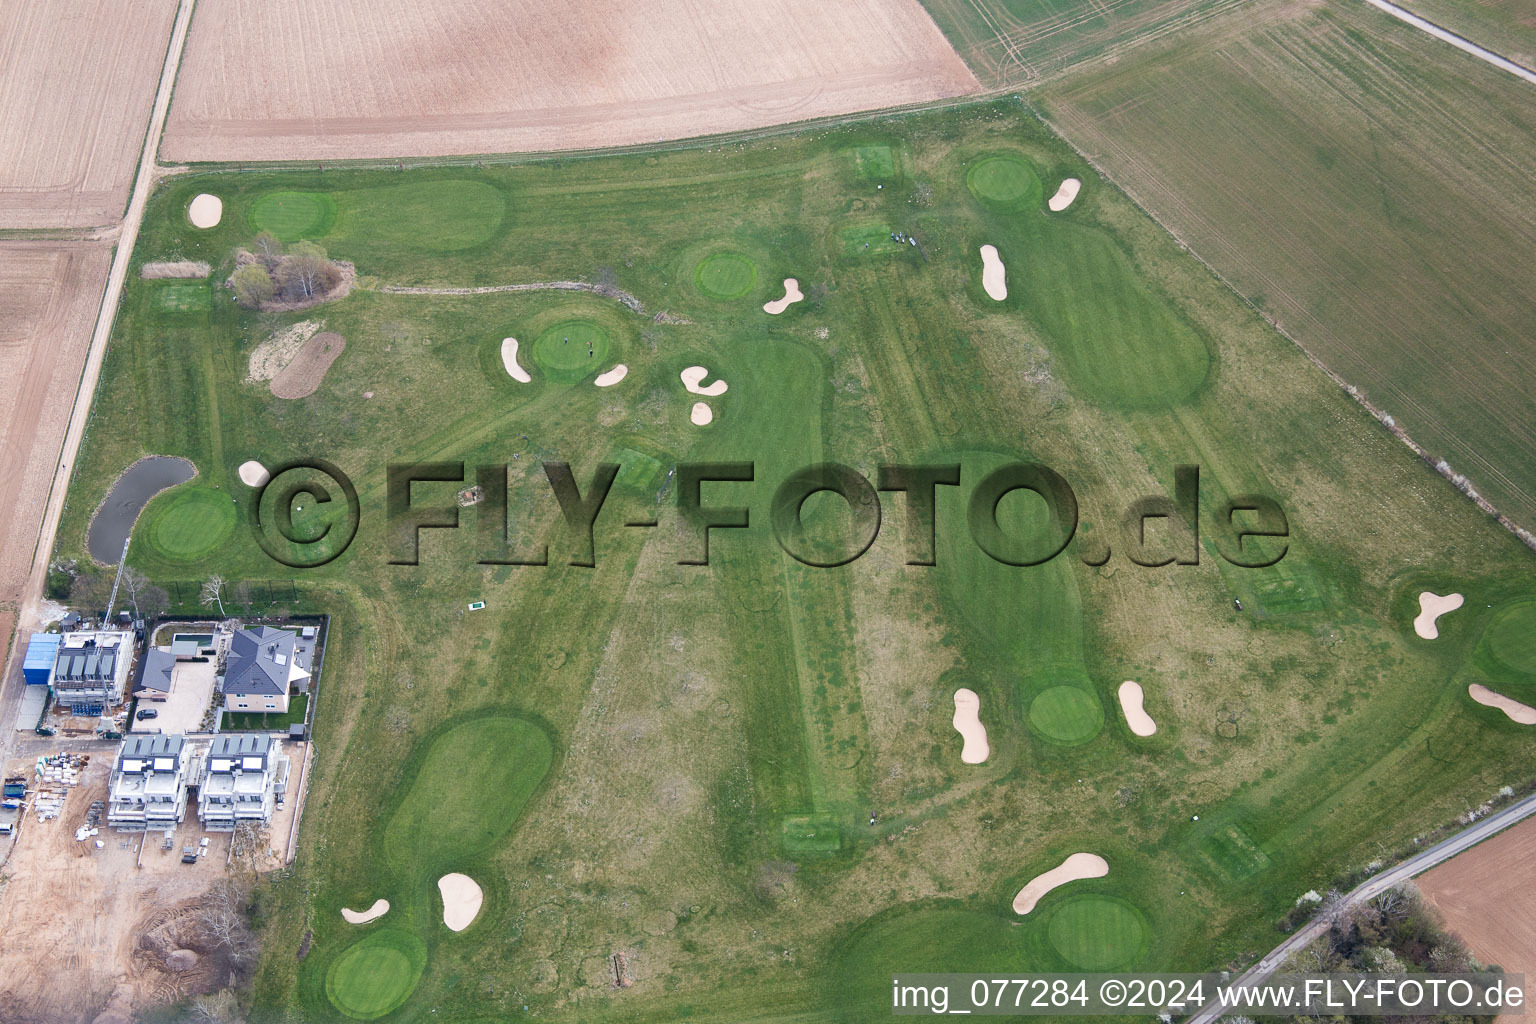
302	272
213	592
89	592
134	582
220	917
217	1008
268	249
153	601
253	285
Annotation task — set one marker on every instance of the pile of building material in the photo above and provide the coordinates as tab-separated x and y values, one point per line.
92	819
63	769
48	803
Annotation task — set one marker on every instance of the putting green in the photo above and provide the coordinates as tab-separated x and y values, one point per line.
725	275
1066	714
1002	180
1098	933
292	216
375	975
193	523
562	350
467	792
1511	637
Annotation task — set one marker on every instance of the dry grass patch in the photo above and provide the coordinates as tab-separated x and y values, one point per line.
302	376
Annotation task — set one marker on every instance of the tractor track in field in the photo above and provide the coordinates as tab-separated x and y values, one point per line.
622	297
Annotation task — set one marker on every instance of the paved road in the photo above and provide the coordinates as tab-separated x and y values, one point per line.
10	680
1460	42
1375	885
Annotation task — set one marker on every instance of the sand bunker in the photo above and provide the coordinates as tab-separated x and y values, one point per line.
1064	195
612	377
967	723
993	274
1517	712
791	296
1135	715
702	414
1079	865
206	211
379	909
694	375
461	900
272	356
509	360
253	473
301	377
1431	607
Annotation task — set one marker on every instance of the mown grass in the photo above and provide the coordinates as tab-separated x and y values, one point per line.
191	522
703	722
376	974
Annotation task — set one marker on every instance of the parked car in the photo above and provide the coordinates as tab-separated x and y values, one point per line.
146	713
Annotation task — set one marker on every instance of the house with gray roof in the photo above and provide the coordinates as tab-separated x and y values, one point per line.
244	781
149	782
263	667
155	683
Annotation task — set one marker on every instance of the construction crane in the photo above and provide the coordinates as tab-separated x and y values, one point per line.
112	601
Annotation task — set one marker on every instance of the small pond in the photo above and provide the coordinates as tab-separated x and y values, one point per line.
133	490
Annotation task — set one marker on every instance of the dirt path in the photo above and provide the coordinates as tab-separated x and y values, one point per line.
28	617
1463	44
622	297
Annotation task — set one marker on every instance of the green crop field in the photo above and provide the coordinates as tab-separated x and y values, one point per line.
1504	26
739	784
1364	185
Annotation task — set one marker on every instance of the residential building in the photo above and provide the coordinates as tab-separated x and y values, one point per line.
263	666
245	781
155	683
91	670
149	783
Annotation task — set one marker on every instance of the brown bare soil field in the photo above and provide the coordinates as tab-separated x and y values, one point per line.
302	376
77	80
332	79
49	295
1488	897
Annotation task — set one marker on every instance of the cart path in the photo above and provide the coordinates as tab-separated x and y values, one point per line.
1460	42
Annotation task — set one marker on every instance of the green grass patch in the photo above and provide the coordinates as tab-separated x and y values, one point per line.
245	721
869	240
638	471
1003	181
1066	714
1098	933
876	163
182	297
192	524
1233	851
293	216
466	792
438	216
725	275
376	974
1511	637
562	351
806	834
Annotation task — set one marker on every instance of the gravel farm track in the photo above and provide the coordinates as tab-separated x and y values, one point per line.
77	78
412	78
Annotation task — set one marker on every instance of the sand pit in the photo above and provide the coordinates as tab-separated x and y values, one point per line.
301	377
1135	715
612	377
272	356
791	296
1431	607
1064	195
253	473
702	415
378	910
206	211
461	900
993	274
967	722
1079	865
1524	714
509	361
694	376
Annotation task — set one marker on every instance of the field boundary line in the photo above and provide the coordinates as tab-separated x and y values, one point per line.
1461	42
1387	420
622	297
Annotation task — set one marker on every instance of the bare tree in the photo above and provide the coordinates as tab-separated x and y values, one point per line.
90	592
303	272
218	1008
268	249
221	918
154	601
135	581
213	593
